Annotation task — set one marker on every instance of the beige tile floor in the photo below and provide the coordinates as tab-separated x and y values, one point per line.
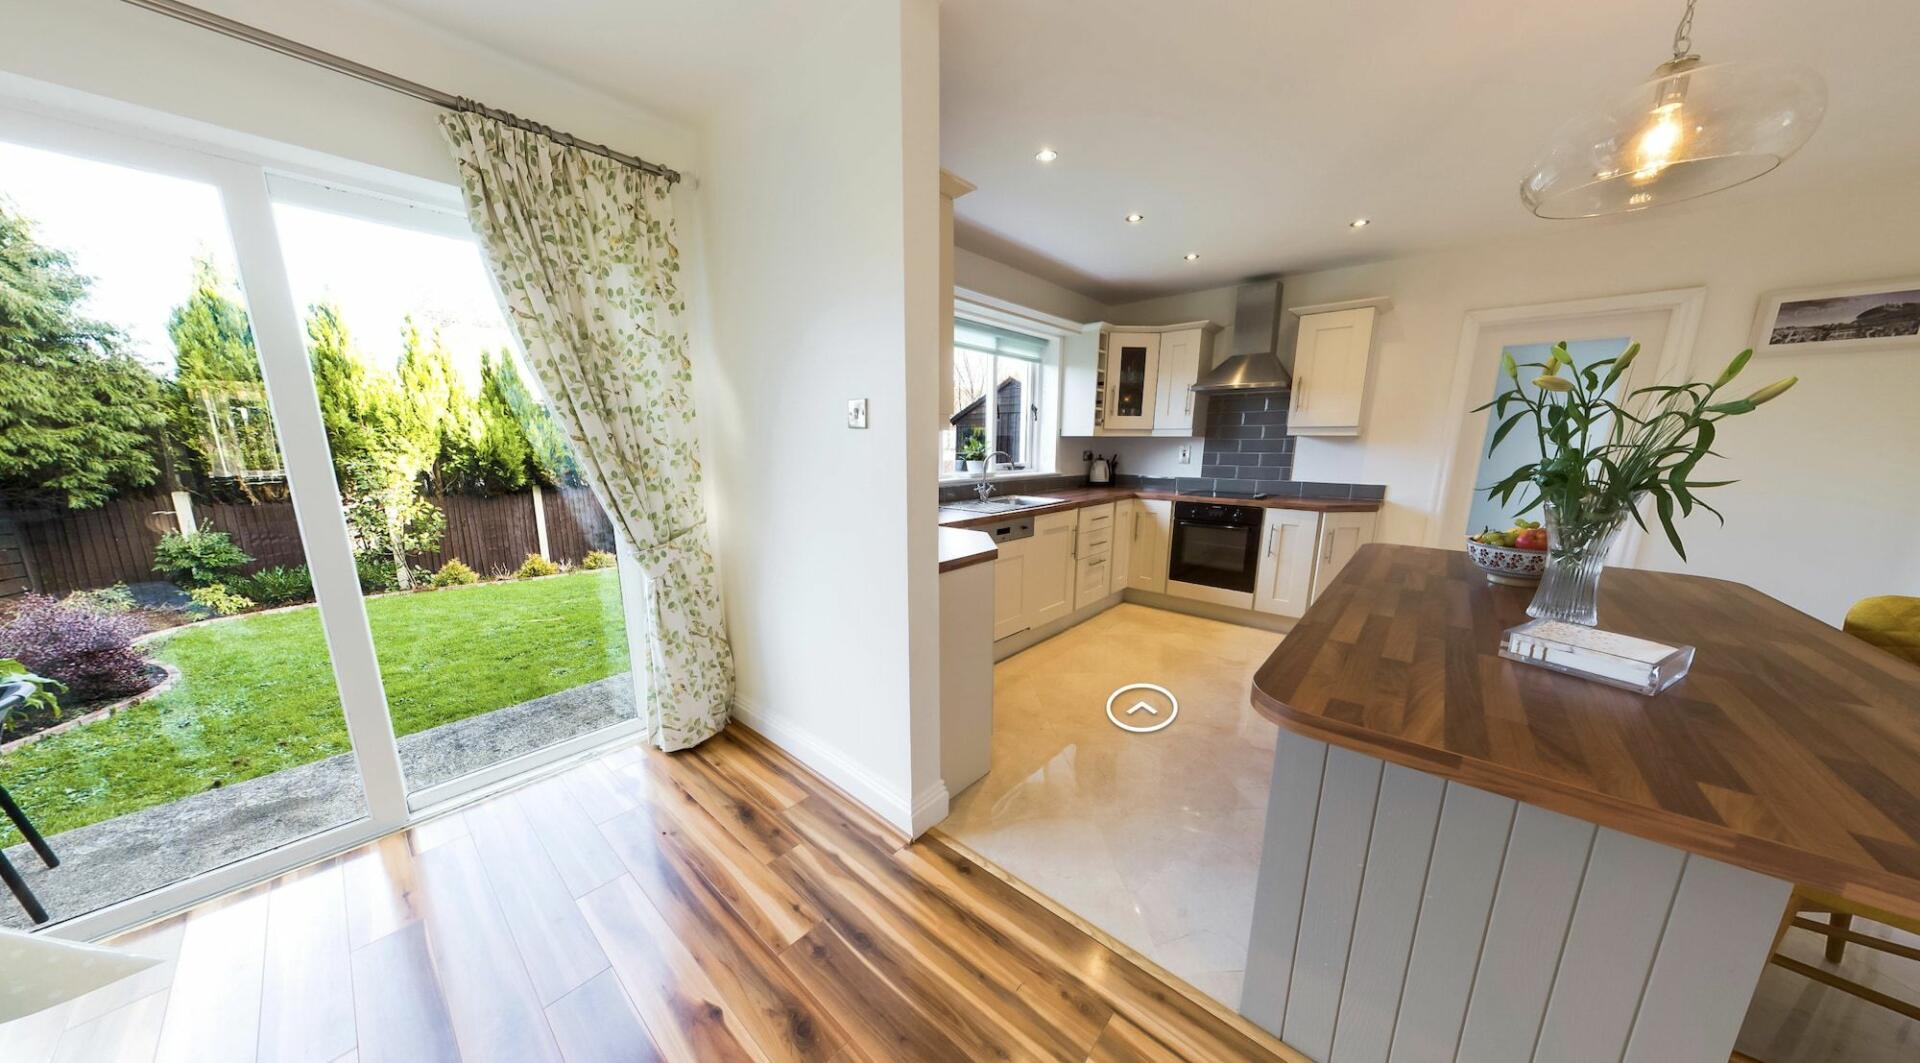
1153	838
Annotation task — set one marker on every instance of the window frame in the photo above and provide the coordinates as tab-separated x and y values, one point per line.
250	175
1043	421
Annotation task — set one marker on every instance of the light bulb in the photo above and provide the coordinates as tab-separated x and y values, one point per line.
1658	142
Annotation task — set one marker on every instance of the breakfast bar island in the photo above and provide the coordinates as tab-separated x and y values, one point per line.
1466	857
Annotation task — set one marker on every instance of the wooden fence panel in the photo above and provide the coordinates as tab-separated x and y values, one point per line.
89	548
269	531
489	534
114	543
576	524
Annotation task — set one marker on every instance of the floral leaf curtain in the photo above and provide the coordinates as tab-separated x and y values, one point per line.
582	248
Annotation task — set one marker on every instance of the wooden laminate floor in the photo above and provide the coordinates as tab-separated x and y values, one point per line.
714	904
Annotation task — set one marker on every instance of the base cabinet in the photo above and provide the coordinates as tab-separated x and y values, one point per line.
1010	590
1152	531
1050	570
1284	580
1341	536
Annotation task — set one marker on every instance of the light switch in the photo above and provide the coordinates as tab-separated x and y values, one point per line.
856	413
1186	454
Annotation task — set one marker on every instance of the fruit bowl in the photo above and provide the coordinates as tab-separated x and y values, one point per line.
1508	564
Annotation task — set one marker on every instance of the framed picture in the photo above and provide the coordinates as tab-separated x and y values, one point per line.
1852	317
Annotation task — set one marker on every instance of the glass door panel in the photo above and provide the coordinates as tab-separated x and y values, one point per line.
489	569
150	559
1130	389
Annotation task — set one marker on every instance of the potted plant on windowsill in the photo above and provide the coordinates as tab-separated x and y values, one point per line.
974	453
1599	459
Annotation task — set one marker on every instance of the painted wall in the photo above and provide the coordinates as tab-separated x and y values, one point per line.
821	225
979	273
1828	504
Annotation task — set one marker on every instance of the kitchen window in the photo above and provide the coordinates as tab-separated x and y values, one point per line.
998	378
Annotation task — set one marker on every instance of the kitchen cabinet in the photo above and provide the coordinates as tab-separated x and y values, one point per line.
1050	558
1133	379
1152	532
1288	547
1341	536
1093	578
1331	355
1119	561
1010	589
1176	408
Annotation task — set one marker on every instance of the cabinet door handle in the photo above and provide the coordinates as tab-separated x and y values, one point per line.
1273	534
1189	401
1327	554
1299	393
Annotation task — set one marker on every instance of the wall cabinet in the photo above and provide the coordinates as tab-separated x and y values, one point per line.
1147	557
1176	408
1341	536
1134	381
1331	355
1289	540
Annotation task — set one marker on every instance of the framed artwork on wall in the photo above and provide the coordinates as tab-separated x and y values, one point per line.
1852	317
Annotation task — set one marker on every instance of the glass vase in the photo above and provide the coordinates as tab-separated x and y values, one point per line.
1577	545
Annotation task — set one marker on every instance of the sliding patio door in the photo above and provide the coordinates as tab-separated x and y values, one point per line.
490	571
151	556
282	505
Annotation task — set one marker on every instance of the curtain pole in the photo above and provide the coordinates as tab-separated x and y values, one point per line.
253	35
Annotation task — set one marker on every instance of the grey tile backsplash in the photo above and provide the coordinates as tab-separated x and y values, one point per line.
1245	448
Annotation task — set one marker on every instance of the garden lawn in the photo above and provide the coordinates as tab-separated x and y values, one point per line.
257	696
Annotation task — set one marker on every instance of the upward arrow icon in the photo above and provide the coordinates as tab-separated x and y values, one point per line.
1140	705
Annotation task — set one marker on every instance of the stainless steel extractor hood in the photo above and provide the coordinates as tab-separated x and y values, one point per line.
1254	362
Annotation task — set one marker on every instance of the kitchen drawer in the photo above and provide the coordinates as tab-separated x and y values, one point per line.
1096	517
1092	580
1095	540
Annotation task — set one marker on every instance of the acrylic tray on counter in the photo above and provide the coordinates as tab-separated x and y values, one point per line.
1640	665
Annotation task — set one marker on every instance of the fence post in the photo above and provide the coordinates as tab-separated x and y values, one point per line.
183	512
540	520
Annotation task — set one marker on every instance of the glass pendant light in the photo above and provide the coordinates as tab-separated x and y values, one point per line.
1691	128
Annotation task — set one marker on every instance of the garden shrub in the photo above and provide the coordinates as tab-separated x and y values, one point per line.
598	559
92	653
106	600
377	575
223	602
455	573
279	585
199	559
535	565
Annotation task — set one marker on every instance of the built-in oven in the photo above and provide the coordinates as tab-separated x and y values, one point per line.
1215	553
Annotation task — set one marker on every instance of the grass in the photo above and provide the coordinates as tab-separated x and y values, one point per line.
257	695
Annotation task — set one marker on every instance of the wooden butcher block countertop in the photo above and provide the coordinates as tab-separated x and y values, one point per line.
1081	497
1791	749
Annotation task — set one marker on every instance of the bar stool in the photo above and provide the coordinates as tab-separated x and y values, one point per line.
1891	622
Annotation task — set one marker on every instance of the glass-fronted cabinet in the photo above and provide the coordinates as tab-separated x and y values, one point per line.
1133	363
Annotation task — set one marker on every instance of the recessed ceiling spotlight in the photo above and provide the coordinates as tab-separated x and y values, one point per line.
1359	223
1136	218
1046	155
1193	256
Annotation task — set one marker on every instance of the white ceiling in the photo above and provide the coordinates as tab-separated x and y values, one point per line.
1252	131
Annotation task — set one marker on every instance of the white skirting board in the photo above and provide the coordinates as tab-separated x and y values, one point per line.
1401	918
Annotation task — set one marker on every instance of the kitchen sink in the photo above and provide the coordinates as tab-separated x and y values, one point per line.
1006	504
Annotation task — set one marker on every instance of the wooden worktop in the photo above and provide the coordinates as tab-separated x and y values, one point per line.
1081	497
1791	749
960	547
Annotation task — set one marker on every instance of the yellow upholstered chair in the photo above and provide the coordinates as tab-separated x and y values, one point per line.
1891	622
